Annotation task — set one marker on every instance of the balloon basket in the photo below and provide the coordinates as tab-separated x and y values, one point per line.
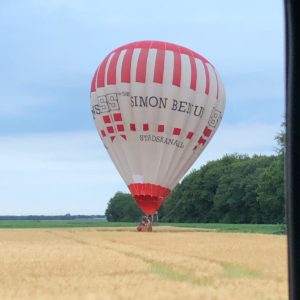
145	228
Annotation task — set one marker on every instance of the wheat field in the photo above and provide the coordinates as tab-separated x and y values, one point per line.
123	264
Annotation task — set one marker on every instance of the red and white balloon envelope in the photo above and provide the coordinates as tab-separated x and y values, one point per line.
156	106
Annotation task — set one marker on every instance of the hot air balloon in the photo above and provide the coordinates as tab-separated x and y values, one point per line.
156	106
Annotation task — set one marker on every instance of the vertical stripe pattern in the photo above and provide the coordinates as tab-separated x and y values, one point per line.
177	69
111	73
101	73
107	71
142	65
126	66
159	66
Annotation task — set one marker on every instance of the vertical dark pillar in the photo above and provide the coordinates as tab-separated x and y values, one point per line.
292	169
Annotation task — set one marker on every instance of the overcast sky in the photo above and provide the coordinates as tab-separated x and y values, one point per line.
51	158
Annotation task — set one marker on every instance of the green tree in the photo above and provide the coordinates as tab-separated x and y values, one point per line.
280	139
236	196
271	193
224	190
271	187
122	208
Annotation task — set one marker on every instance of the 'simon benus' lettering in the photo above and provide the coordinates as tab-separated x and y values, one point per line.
148	101
163	102
187	108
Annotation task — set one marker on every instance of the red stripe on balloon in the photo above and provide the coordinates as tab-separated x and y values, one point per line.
177	69
142	65
207	79
162	46
144	44
140	76
193	73
159	66
101	73
126	66
112	69
217	83
93	85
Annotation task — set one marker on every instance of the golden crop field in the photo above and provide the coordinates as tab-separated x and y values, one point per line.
164	264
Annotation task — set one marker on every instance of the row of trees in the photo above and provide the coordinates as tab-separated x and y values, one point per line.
234	189
45	217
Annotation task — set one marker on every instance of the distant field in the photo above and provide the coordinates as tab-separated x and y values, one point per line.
62	224
93	263
251	228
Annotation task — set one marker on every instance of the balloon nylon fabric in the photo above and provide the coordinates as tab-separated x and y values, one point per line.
156	106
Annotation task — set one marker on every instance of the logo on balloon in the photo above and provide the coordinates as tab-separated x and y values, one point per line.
214	118
105	103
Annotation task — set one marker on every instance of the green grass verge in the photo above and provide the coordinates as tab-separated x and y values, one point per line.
249	228
61	223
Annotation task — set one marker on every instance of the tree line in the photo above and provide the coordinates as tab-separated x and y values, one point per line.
49	218
233	189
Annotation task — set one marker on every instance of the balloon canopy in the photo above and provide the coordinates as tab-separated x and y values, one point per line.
156	106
